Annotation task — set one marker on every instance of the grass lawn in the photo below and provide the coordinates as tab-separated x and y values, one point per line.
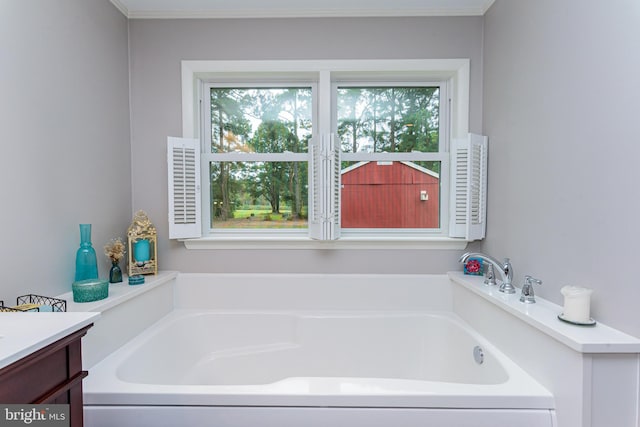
260	218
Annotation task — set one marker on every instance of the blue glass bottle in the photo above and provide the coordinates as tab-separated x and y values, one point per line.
86	261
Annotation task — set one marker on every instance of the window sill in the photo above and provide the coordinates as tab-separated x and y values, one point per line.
303	242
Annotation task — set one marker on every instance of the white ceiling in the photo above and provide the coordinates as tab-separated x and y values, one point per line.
298	8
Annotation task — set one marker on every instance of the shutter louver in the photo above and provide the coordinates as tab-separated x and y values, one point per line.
469	187
183	157
315	214
335	168
460	167
324	218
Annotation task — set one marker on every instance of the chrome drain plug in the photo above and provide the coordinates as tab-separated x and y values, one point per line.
478	355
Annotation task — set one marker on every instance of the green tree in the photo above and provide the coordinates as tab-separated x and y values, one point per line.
290	107
392	119
350	125
272	137
228	128
283	120
421	119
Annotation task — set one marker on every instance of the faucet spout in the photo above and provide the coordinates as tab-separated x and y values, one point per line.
504	269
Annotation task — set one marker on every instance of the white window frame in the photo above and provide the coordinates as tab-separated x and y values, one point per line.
455	72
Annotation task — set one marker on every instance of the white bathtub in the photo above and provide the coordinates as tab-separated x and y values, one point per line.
281	368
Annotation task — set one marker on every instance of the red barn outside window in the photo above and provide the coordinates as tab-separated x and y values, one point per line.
389	195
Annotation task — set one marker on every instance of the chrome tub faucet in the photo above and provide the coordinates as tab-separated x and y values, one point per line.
503	268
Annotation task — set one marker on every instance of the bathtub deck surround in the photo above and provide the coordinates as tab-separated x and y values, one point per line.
126	312
593	372
544	316
401	355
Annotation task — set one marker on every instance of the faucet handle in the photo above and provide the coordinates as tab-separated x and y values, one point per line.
531	280
528	295
490	278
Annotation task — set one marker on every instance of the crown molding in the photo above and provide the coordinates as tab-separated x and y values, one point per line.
223	13
298	13
487	6
121	7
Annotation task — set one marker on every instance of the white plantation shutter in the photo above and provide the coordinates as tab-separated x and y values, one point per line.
469	187
324	216
334	171
183	158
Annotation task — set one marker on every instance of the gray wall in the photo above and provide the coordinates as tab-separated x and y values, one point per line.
561	91
559	104
64	128
158	46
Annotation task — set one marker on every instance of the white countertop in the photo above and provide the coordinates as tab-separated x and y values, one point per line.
24	333
543	315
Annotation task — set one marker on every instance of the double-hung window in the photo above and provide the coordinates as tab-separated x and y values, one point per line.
256	138
326	150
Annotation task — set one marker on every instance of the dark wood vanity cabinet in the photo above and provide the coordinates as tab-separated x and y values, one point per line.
51	375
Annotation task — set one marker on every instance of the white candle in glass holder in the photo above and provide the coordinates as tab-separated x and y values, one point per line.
577	303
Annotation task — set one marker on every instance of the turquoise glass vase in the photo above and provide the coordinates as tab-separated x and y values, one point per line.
86	261
115	274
